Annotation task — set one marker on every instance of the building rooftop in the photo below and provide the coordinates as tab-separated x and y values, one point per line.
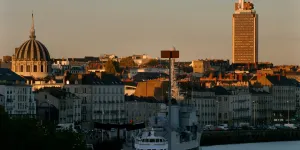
281	80
58	93
9	77
220	90
93	79
142	76
150	99
252	91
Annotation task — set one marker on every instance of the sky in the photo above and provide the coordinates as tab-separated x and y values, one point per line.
199	29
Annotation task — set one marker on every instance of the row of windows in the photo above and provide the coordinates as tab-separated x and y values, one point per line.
22	106
18	91
29	69
109	98
20	98
119	90
22	112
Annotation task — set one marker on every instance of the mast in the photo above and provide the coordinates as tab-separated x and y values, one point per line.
171	55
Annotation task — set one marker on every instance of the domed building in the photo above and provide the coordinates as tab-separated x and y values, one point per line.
32	57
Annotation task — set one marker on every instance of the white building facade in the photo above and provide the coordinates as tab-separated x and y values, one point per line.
18	100
205	103
102	99
240	108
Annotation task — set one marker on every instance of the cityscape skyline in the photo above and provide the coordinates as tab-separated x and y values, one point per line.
139	30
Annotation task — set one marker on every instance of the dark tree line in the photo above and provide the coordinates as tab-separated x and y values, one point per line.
30	134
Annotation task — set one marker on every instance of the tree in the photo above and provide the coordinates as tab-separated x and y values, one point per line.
112	144
117	66
152	63
127	62
110	67
26	133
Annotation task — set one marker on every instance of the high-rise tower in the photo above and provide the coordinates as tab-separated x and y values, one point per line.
244	33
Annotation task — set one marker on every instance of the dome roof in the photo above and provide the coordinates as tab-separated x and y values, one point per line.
32	50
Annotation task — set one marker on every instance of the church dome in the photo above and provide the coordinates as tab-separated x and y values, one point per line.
32	50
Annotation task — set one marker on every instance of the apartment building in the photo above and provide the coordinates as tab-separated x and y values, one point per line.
140	109
240	106
222	104
283	92
261	107
205	103
102	96
67	104
16	97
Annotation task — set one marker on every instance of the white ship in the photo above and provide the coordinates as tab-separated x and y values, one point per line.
185	134
148	140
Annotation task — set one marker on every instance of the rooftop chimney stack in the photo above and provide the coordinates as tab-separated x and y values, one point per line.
278	77
243	1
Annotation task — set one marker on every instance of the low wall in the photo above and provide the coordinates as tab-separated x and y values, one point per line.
247	136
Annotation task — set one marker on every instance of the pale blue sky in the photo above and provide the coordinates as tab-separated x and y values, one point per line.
198	28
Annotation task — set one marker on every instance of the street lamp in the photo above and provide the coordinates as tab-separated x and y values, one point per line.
49	109
102	114
217	112
136	111
288	112
254	113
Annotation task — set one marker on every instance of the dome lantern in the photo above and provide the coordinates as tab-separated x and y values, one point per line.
32	30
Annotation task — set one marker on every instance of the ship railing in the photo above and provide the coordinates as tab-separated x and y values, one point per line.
151	143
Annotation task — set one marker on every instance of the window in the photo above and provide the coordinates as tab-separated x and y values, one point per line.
21	68
34	68
42	68
28	68
45	96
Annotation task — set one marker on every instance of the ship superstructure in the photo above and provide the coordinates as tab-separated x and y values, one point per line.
177	122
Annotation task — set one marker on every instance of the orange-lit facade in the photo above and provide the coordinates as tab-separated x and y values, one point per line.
244	34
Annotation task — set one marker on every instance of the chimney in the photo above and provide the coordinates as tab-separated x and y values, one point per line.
278	77
240	77
230	76
66	73
100	74
211	75
79	76
258	76
220	76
